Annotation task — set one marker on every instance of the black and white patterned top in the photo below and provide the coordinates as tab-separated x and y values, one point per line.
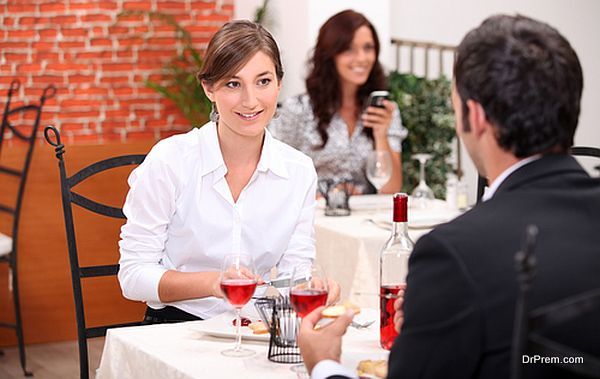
343	157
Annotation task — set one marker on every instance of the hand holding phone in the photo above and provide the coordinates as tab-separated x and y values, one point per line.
376	99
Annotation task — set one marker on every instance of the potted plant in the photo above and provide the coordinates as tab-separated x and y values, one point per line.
427	114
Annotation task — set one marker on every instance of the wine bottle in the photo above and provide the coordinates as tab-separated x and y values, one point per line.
393	269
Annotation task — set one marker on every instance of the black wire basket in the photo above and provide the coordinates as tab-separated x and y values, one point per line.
283	323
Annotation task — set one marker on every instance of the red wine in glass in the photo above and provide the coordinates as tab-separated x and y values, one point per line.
387	332
238	291
305	301
238	282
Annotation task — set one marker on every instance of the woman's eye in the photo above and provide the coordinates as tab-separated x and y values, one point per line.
264	82
232	84
369	48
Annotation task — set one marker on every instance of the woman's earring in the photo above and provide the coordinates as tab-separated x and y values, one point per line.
214	114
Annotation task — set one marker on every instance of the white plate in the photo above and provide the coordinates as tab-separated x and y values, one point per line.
370	202
364	202
222	326
431	218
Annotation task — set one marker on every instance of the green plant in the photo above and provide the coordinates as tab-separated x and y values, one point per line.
181	86
427	114
260	14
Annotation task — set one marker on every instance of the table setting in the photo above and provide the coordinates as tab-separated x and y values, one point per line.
200	349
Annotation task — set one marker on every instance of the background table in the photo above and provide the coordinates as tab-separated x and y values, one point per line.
348	247
182	351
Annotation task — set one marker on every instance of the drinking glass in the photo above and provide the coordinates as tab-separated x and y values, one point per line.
422	194
309	289
238	282
379	168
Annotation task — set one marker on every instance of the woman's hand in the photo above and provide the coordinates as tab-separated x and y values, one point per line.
334	291
379	119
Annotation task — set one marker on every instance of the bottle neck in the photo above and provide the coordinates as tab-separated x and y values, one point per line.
399	228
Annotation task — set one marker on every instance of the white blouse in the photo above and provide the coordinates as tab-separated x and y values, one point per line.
181	215
343	157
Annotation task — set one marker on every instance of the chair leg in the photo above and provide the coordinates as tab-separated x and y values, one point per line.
19	322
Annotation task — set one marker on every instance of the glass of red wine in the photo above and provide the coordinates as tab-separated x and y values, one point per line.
309	289
238	282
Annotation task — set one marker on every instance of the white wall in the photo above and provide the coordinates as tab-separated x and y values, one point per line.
448	21
295	25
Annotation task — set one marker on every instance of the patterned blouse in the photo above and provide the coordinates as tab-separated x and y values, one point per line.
343	157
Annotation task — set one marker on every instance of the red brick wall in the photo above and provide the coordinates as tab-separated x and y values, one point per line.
98	64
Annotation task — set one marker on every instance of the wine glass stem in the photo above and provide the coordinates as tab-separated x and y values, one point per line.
421	172
238	330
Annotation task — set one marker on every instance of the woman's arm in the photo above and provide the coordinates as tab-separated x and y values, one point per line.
380	120
149	208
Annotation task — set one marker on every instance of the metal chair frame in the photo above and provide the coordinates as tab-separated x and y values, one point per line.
70	197
15	211
527	335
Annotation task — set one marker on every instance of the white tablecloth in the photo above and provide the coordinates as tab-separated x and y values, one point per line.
348	247
183	351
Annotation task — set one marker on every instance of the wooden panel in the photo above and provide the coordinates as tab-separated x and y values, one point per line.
46	294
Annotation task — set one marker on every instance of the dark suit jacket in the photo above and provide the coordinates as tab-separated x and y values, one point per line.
462	286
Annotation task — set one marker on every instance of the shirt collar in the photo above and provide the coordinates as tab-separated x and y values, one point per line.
212	157
210	150
491	190
271	157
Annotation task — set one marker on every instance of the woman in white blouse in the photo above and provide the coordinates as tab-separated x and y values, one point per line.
331	123
224	188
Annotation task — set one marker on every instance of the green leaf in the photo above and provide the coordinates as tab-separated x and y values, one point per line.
427	114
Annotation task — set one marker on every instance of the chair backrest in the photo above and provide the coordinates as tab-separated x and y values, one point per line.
70	197
22	122
27	134
528	337
577	151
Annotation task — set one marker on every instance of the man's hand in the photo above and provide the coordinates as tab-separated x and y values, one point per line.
325	342
399	315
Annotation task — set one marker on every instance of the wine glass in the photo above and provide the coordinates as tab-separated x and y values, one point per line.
309	289
422	194
379	168
238	282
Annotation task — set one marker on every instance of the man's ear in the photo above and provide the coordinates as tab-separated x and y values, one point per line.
477	118
208	90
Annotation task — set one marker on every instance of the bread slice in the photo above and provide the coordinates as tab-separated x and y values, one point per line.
335	311
258	327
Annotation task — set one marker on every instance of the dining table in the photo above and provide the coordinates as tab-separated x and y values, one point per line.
192	350
348	247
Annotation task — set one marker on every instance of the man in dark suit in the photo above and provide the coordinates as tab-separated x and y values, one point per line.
516	96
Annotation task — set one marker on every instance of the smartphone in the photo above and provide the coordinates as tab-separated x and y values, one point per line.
376	98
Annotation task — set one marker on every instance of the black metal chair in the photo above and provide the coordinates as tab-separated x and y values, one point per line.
578	151
528	337
70	197
9	244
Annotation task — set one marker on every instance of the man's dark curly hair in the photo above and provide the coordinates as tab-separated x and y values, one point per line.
527	78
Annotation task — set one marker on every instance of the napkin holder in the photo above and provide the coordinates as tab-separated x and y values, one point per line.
283	323
336	194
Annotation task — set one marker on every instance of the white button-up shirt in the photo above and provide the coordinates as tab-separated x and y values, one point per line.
181	215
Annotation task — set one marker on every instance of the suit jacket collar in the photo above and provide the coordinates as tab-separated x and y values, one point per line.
547	166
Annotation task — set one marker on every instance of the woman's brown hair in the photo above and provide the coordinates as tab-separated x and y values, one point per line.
323	84
233	46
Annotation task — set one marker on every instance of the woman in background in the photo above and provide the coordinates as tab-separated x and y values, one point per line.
331	122
228	187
